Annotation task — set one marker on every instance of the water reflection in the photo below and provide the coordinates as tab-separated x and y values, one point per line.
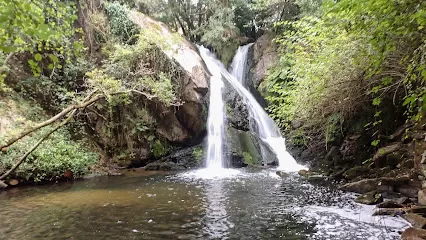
217	222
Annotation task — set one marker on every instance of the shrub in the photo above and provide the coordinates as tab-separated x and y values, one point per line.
51	159
120	23
198	154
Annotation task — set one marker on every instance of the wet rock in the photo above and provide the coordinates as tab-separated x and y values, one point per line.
370	198
390	154
114	173
265	55
338	174
413	234
355	172
410	189
179	160
402	200
416	220
243	148
389	211
417	209
13	182
389	204
334	151
406	164
384	184
163	166
3	185
316	177
282	174
421	197
305	173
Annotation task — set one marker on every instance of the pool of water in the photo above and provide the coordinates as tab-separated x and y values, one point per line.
246	204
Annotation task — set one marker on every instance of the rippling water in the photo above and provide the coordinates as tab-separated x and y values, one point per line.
246	204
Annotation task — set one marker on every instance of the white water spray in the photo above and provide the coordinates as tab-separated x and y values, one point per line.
268	132
216	119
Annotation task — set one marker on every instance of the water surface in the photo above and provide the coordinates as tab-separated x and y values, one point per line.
246	204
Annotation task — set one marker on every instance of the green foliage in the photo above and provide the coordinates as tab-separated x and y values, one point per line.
158	148
344	55
45	29
51	159
198	154
298	138
26	24
221	33
120	23
130	64
319	73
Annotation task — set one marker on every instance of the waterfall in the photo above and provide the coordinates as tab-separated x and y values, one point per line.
239	63
216	119
268	132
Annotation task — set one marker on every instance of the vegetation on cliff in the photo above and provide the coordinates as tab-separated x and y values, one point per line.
350	68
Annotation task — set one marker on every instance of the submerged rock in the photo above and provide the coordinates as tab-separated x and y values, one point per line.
282	174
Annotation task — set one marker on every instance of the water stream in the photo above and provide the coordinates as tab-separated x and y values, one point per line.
216	121
238	67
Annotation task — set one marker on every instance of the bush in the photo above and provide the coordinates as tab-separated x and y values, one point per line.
198	154
120	23
51	159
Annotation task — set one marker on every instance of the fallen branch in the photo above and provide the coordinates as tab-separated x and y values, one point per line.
52	120
22	159
73	109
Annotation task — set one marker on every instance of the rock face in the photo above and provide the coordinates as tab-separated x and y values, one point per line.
193	84
132	134
265	55
186	158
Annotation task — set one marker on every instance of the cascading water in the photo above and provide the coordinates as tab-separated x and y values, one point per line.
216	119
239	63
268	132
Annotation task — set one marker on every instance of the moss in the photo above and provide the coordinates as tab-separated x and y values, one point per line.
248	159
198	154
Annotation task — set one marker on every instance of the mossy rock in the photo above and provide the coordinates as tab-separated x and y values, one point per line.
370	198
243	145
356	172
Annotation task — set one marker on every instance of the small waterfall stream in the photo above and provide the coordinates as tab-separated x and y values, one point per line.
216	119
267	130
239	64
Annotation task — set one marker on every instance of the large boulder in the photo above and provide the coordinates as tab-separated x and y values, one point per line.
194	83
